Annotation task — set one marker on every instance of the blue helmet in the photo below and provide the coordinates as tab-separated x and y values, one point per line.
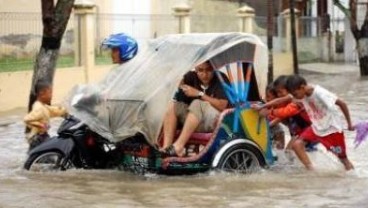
127	45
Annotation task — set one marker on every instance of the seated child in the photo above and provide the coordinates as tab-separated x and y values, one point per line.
277	133
39	118
291	113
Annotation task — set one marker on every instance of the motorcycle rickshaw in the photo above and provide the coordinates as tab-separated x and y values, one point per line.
127	109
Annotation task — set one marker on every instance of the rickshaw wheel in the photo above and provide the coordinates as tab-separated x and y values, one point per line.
241	158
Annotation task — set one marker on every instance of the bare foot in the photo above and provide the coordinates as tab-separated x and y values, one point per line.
172	151
179	151
309	167
347	164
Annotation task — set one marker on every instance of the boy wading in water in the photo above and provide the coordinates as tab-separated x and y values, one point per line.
39	118
327	127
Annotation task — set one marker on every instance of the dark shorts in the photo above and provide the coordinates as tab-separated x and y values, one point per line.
333	142
37	140
276	130
277	136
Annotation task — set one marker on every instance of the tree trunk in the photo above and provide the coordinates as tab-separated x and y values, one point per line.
270	39
360	35
362	48
54	19
44	70
361	38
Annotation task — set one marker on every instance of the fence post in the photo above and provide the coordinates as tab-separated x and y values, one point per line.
84	11
182	12
286	14
246	16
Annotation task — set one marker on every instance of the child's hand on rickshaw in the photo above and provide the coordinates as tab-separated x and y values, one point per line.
256	106
260	108
264	112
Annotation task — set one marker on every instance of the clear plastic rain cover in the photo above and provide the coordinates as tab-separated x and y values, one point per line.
134	96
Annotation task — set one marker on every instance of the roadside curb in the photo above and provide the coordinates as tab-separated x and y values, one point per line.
328	68
9	120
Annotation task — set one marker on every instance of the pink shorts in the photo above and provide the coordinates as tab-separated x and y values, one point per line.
333	142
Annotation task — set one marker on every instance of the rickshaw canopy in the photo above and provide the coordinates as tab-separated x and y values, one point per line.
133	97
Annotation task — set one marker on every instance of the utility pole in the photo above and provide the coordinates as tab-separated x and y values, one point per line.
293	37
270	40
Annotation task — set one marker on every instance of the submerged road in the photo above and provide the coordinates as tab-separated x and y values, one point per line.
284	185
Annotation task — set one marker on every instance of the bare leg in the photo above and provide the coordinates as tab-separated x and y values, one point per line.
347	164
190	125
290	143
299	149
279	140
288	153
170	123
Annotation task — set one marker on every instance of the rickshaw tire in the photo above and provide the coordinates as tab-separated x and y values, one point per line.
248	148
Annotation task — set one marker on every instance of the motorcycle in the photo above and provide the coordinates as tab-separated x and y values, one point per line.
75	146
120	119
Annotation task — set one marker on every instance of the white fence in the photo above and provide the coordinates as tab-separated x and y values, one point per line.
20	35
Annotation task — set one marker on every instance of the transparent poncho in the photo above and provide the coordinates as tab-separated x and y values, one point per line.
133	97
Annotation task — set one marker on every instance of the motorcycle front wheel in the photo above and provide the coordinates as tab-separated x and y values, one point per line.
47	161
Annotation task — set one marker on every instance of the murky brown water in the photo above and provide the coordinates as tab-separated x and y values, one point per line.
284	185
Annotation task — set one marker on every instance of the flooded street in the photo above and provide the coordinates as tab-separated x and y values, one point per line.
283	185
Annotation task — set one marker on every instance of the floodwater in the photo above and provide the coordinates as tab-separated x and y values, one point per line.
286	184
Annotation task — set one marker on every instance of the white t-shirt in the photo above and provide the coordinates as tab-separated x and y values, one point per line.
323	111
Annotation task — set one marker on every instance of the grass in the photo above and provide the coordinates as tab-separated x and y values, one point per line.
307	57
103	59
12	64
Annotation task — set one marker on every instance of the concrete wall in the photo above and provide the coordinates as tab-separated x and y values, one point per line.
15	86
282	64
21	27
20	6
104	6
214	16
205	15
